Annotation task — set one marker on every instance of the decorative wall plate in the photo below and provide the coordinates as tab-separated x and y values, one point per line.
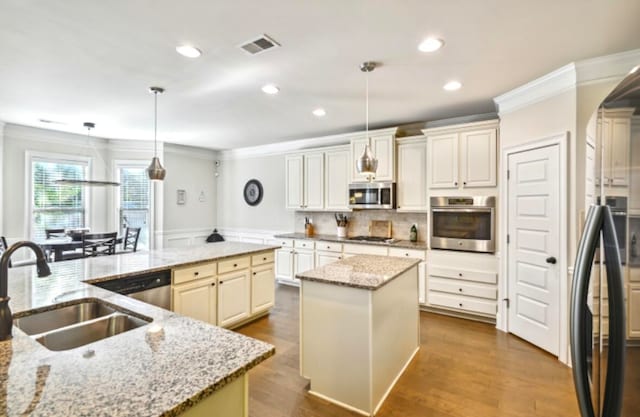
253	192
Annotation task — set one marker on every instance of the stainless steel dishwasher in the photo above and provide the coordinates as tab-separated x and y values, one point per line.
153	287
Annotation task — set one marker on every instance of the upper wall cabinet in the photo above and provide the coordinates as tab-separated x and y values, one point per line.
412	174
463	156
615	133
383	147
318	179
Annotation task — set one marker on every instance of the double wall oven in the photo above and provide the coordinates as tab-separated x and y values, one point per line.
463	223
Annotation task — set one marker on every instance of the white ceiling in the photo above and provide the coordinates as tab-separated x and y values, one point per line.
88	60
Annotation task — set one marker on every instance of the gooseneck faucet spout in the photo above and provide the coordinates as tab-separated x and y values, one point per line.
6	318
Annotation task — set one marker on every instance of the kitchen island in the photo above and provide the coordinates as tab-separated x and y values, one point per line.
359	328
172	366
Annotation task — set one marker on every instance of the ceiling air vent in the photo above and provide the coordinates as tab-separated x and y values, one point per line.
259	45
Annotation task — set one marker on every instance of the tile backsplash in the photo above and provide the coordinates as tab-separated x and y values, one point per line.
325	224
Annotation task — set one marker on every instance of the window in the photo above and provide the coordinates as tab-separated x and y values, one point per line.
134	207
56	206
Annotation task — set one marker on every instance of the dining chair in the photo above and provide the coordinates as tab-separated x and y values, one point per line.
130	239
98	244
4	246
50	233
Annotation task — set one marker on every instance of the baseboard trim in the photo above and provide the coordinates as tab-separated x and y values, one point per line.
395	381
458	315
340	404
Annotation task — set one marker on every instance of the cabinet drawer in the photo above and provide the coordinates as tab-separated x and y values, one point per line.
486	277
233	264
191	273
303	244
329	246
286	243
634	273
408	253
460	302
262	258
454	286
365	250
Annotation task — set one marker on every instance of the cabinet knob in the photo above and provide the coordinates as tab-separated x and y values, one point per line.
460	274
255	273
264	259
460	304
406	254
455	183
221	282
235	265
328	247
213	284
196	273
464	183
460	289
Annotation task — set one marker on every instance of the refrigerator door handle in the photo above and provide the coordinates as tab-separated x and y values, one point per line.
579	293
612	405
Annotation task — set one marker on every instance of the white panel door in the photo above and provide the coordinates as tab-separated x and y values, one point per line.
383	148
314	181
262	288
605	137
443	161
325	258
534	232
303	261
233	297
357	148
294	181
196	300
336	182
590	176
478	158
284	264
412	177
620	157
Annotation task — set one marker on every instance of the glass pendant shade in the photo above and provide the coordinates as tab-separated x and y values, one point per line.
155	170
367	164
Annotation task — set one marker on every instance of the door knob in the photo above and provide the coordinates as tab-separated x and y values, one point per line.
551	260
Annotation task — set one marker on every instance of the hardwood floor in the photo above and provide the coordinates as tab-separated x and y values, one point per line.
463	368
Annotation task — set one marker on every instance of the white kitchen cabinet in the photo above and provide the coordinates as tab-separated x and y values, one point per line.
422	268
295	256
303	260
634	197
411	194
233	297
294	174
196	299
262	288
313	181
614	135
325	258
462	156
634	311
383	147
336	179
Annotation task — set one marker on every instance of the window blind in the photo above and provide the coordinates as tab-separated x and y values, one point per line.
134	201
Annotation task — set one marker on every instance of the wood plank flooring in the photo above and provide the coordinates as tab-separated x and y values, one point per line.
463	368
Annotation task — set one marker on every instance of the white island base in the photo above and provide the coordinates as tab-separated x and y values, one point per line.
356	342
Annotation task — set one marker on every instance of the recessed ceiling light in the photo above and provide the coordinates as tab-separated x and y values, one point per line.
634	69
430	45
270	89
319	112
452	86
188	51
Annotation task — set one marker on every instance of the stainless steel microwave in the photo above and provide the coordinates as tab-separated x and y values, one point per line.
463	223
372	195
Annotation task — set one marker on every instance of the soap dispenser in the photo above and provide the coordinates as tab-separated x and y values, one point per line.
413	234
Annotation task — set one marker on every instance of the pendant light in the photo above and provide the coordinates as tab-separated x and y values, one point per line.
155	170
367	164
91	183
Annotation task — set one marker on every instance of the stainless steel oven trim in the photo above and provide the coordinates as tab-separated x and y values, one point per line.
478	201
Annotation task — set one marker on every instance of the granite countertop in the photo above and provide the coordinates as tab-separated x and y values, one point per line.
160	369
405	244
362	271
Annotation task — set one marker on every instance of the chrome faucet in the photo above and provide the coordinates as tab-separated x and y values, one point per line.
6	318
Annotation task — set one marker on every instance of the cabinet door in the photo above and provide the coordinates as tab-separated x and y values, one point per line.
357	148
233	297
634	311
412	177
284	264
605	132
383	148
262	288
478	158
313	181
303	261
336	183
325	258
196	300
443	161
294	181
422	283
620	151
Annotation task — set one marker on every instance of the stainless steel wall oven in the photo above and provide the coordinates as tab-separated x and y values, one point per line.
463	223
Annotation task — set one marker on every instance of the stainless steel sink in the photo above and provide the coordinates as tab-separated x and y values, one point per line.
62	317
75	336
78	324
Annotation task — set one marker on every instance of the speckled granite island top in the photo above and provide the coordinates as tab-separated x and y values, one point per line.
363	271
405	244
160	369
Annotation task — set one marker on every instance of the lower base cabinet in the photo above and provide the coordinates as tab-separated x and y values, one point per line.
262	288
233	297
634	311
197	300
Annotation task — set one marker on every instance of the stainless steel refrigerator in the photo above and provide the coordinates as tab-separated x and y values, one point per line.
605	298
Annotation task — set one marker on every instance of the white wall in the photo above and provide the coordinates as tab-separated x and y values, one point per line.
270	214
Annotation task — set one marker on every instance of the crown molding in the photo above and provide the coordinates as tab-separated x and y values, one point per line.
485	124
556	82
606	68
35	134
300	144
191	151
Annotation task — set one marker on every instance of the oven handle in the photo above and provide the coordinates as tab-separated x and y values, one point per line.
463	210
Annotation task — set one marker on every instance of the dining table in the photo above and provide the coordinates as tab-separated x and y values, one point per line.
59	245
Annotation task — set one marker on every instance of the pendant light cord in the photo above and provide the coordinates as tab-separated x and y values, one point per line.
155	123
367	105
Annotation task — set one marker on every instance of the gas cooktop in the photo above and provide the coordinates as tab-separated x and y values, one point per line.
372	239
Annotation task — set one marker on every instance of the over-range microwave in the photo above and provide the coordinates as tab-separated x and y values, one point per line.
463	223
372	195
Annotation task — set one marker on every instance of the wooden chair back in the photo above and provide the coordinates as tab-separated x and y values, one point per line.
131	236
4	247
98	244
49	233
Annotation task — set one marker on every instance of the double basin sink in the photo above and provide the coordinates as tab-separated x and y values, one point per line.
78	324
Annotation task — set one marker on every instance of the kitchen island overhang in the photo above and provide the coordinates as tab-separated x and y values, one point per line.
359	328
